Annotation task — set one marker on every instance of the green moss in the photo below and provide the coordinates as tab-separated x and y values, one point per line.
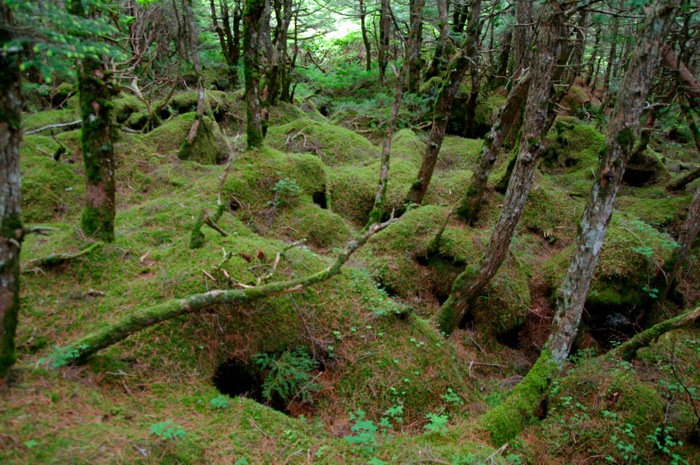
332	144
49	117
458	153
208	146
125	105
505	421
321	228
407	146
353	189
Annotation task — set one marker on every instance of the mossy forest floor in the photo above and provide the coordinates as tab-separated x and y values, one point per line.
351	370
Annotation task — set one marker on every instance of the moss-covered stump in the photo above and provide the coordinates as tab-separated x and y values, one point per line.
645	169
334	145
632	254
208	147
353	189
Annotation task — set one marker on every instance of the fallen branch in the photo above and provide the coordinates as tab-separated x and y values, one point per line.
55	259
629	348
71	125
104	337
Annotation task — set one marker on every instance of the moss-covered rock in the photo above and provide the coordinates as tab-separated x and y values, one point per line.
353	189
407	146
320	227
334	145
125	105
458	153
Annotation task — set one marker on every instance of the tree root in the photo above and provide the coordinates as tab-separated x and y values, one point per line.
56	259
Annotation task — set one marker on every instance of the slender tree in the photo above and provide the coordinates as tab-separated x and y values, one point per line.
621	134
227	25
469	285
11	232
251	62
414	44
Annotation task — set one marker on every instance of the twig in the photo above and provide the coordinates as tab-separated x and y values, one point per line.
77	124
55	259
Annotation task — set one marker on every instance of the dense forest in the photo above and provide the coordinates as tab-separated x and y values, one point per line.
336	231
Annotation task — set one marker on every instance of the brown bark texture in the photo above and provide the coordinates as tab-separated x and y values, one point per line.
251	62
469	285
11	232
470	203
413	45
621	133
441	111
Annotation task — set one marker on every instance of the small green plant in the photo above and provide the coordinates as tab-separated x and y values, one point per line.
167	430
219	402
288	376
365	436
653	292
664	442
437	424
452	398
62	356
286	190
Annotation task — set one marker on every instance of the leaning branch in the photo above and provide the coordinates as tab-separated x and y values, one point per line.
71	125
630	347
104	337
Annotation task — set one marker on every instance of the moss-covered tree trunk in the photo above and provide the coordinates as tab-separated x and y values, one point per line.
251	62
470	203
442	109
96	90
469	285
621	133
11	232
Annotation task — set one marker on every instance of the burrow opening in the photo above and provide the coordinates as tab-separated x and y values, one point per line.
236	378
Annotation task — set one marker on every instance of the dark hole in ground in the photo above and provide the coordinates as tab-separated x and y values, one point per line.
611	327
319	198
237	378
510	338
468	322
638	177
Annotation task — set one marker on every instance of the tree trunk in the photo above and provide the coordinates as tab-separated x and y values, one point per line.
502	71
11	232
621	133
522	35
413	45
611	61
470	203
365	35
384	35
96	90
441	112
251	63
472	51
439	61
469	285
691	86
595	59
229	37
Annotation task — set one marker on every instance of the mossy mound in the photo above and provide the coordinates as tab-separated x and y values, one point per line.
398	258
208	147
458	153
551	212
334	145
125	105
321	228
664	212
407	146
251	184
51	190
632	253
447	187
217	104
645	169
49	117
353	189
604	408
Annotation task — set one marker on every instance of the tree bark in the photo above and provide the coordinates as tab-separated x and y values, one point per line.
251	63
365	35
96	90
229	37
106	336
470	203
621	133
691	86
441	110
439	61
522	35
413	45
11	232
384	35
469	285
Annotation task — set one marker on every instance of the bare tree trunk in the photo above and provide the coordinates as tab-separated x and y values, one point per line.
621	133
375	216
229	37
11	232
365	34
413	45
522	35
384	35
595	59
96	89
691	86
470	203
611	61
441	111
439	62
191	28
469	285
251	63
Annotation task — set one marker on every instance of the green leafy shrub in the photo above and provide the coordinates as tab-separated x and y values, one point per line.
288	376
